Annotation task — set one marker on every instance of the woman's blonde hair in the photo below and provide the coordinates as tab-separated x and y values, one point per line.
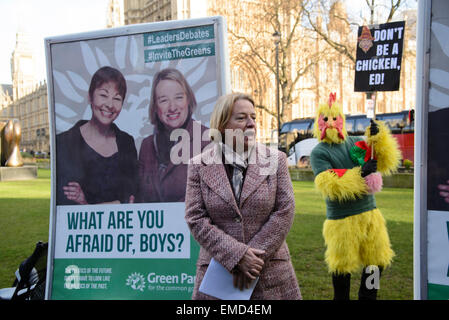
223	110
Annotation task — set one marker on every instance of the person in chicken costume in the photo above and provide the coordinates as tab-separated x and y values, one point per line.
354	231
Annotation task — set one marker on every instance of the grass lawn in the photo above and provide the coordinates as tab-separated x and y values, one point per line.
24	218
306	244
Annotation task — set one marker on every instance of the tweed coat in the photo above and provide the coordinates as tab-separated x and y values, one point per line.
262	219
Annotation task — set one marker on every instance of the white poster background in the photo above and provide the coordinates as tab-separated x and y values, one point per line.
438	247
74	64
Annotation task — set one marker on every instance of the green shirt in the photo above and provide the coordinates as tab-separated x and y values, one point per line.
336	156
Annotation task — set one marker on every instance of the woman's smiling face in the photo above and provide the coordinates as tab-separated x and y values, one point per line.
242	124
106	103
172	103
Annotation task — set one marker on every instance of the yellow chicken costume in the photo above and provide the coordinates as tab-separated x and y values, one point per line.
354	231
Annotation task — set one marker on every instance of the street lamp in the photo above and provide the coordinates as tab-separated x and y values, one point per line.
277	40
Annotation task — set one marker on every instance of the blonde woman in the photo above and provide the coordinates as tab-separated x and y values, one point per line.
239	212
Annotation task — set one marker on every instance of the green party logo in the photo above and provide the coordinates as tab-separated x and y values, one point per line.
136	281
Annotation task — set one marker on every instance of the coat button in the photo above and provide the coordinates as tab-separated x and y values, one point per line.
238	219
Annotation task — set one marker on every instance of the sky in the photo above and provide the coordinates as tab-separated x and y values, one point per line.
46	18
41	19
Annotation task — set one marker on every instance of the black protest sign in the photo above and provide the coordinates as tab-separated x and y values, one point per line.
379	55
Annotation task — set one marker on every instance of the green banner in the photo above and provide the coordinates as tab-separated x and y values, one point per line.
126	251
135	279
180	52
437	292
178	35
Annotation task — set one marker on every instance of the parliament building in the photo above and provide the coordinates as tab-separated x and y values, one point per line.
308	67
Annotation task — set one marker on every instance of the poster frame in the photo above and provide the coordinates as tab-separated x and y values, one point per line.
223	85
421	133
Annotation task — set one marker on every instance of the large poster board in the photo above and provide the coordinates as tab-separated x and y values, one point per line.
431	154
117	228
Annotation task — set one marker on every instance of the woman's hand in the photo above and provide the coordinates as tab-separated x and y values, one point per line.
444	191
240	281
251	265
73	192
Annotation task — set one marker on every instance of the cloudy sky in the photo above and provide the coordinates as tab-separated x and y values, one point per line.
41	19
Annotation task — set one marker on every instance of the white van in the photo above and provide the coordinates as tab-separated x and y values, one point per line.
299	154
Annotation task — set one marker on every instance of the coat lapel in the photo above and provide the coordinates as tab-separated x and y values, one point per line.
254	176
214	175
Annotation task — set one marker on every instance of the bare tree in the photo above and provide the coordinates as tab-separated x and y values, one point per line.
375	11
311	31
296	58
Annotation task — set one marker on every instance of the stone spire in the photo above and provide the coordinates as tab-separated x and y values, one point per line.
115	14
22	66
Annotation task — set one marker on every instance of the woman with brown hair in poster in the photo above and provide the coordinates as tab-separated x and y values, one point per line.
172	104
96	162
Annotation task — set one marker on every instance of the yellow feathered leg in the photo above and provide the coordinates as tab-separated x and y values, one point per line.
377	247
357	241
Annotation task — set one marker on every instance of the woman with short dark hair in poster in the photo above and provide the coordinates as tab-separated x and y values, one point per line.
96	161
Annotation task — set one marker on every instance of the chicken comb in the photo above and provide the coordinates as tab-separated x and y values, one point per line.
332	98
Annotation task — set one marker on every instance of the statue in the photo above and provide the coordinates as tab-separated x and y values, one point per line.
10	133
